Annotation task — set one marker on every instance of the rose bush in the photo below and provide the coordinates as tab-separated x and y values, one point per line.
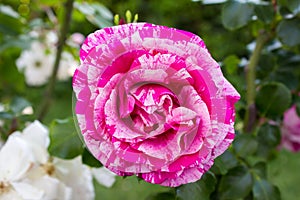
291	130
151	101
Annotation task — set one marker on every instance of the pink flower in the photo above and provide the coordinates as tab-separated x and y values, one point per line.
152	102
290	130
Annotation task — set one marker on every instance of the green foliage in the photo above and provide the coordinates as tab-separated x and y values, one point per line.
231	64
273	99
95	13
288	31
198	190
268	138
294	6
245	145
236	184
7	19
89	159
236	14
243	171
265	13
263	190
224	162
65	142
161	196
18	104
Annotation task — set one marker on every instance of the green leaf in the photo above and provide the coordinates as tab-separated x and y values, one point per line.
65	142
96	13
265	13
198	190
266	65
288	31
263	190
236	184
162	196
18	104
288	77
9	25
298	108
273	99
11	80
6	115
294	6
89	159
224	162
9	11
236	14
268	138
231	64
245	145
260	170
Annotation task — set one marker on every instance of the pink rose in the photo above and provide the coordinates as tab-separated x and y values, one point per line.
151	101
290	130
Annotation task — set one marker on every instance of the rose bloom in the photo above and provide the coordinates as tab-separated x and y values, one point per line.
290	130
152	102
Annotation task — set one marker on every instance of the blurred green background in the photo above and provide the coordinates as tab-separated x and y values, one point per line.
203	20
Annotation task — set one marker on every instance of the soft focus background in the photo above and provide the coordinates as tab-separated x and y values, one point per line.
242	35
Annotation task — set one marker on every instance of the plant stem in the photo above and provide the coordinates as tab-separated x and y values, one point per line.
48	94
250	117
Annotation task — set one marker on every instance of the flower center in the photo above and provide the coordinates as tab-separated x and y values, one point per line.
4	187
153	103
49	168
37	64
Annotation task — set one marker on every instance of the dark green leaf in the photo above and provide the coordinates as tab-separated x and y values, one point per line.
267	64
237	184
288	31
260	170
9	25
245	145
268	138
198	190
265	13
89	159
273	99
162	196
236	14
298	108
287	77
263	190
294	6
11	80
65	142
18	104
269	135
6	115
224	162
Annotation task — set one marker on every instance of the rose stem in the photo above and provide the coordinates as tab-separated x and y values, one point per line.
48	94
250	117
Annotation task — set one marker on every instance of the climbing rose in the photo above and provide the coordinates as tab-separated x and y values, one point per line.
291	130
152	102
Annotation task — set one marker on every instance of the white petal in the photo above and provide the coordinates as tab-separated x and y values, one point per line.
38	138
11	194
52	188
15	158
27	191
77	176
37	133
104	176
